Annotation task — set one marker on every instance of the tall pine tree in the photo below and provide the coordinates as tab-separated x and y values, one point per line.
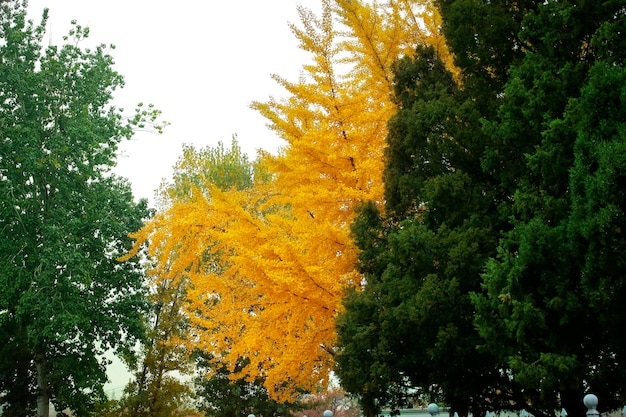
551	295
422	258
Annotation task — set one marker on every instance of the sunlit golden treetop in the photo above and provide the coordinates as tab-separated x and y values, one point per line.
269	262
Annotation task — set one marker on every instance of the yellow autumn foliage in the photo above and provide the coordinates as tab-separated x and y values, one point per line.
269	264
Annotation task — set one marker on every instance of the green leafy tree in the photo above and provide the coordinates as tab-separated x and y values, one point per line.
64	297
220	166
218	393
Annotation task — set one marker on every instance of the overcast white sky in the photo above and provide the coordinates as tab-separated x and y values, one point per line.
201	62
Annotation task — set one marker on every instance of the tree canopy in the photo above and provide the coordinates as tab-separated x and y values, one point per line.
492	272
64	220
549	305
441	224
280	253
412	325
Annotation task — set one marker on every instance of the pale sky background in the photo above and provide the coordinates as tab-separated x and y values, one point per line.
201	62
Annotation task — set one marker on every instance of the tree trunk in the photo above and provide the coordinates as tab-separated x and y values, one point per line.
572	402
368	406
43	394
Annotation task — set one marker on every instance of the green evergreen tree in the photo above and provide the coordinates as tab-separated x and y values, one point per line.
441	224
412	325
514	168
549	306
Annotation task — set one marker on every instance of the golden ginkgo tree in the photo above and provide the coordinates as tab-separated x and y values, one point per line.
269	263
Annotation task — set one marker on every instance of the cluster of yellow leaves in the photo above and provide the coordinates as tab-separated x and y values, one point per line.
269	264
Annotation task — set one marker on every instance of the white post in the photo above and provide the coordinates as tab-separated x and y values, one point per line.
433	409
591	402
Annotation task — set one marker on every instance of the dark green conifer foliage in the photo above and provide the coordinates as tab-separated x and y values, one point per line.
551	295
495	274
423	258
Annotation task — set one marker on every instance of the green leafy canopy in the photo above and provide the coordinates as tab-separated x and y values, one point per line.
64	218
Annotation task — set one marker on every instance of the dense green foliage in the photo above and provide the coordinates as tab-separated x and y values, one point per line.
222	167
494	275
64	220
423	259
553	295
218	393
